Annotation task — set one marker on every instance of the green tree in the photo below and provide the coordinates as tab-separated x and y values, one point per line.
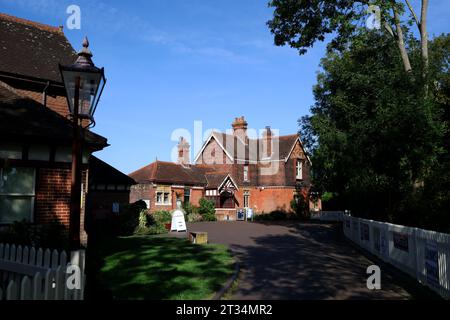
300	23
376	139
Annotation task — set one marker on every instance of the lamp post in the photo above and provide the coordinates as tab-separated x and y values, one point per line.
84	84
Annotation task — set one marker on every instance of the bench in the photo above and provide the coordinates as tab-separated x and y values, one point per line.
197	237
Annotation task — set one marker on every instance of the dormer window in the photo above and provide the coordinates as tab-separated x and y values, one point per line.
246	173
299	169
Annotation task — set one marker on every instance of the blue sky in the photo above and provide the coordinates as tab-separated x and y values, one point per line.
172	62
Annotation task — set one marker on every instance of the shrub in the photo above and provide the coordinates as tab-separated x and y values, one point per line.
190	208
209	217
157	228
143	223
52	235
20	233
129	218
299	206
194	217
207	210
206	207
162	216
273	216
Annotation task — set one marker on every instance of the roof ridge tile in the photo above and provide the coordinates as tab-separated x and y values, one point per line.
42	26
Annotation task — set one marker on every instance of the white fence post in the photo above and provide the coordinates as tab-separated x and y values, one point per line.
36	274
422	254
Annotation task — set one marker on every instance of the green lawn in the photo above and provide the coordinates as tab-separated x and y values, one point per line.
160	268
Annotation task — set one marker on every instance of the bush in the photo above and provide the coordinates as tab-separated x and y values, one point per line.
128	221
273	216
209	217
300	207
194	217
207	210
190	208
52	235
162	216
150	224
206	207
143	223
157	228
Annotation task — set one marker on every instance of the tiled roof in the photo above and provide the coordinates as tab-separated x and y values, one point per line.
25	119
211	175
101	172
169	172
32	49
252	151
215	179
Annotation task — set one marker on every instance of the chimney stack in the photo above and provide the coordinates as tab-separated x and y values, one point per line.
267	142
240	129
183	152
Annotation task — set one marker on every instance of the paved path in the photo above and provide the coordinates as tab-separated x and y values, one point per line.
297	261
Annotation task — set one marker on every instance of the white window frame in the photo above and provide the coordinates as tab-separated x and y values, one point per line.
246	171
162	202
299	169
32	195
246	196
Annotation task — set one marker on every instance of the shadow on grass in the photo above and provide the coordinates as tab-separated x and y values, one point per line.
156	268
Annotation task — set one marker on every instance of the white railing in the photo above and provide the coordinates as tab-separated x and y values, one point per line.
327	215
423	254
27	273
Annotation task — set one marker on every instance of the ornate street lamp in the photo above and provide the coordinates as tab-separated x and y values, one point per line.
84	84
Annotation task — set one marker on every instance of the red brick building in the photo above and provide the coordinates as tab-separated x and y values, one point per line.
35	130
234	171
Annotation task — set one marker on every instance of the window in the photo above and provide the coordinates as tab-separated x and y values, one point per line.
299	170
17	192
246	173
246	199
187	195
163	198
116	207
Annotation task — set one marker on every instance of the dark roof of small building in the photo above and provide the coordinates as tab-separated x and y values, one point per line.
101	172
33	49
25	119
169	172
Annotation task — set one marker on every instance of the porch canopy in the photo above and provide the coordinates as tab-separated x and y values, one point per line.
221	190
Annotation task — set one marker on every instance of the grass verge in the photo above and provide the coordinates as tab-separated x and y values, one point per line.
161	268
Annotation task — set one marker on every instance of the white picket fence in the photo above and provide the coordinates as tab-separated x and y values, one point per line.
27	273
423	254
330	216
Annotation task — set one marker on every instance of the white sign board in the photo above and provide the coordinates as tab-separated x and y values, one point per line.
432	263
178	222
249	214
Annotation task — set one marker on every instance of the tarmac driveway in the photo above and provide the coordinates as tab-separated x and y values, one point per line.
293	260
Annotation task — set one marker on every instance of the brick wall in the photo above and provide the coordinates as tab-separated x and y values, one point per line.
268	199
226	214
213	154
52	201
271	174
196	195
